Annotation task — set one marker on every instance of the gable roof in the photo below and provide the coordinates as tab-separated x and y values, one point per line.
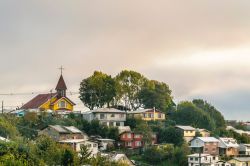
207	139
66	98
37	101
61	84
228	142
108	110
143	111
186	127
66	129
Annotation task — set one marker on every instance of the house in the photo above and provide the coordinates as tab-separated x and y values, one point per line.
51	101
134	140
202	159
206	145
59	133
4	139
76	145
121	158
122	129
244	149
148	114
106	116
104	144
240	161
228	147
203	132
188	132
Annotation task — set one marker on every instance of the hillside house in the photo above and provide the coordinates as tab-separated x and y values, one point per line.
244	149
107	116
203	132
240	161
134	140
228	147
59	133
148	114
76	145
203	159
206	145
188	132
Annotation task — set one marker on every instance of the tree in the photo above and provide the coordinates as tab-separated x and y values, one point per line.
7	128
170	135
188	113
156	94
215	115
129	85
97	90
84	155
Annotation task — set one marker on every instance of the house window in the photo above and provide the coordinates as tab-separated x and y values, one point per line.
112	115
137	136
138	143
118	124
129	135
62	104
206	150
159	115
121	115
111	123
102	116
144	115
129	144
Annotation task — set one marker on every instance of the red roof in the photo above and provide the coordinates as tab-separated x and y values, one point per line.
37	101
61	84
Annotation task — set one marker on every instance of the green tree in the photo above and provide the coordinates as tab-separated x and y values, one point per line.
97	90
85	154
156	94
189	114
129	85
215	115
8	128
170	135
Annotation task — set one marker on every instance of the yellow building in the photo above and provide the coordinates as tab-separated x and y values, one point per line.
188	132
52	101
240	161
148	114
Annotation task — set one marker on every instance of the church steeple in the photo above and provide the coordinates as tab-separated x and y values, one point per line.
61	87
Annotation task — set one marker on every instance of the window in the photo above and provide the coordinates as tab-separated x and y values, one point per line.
121	115
112	115
144	115
129	135
137	135
102	116
191	158
95	145
118	124
111	123
206	150
129	143
159	115
62	104
138	143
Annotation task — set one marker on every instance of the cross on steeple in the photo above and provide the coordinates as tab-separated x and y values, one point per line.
61	68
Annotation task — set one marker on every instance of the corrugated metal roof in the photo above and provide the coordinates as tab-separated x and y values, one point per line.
185	127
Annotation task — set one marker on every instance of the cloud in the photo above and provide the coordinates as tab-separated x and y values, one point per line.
198	47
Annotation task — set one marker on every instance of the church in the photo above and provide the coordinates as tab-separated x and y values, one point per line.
52	101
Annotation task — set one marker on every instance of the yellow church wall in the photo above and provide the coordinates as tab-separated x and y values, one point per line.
46	105
69	106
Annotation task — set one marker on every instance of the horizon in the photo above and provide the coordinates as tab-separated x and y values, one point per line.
199	48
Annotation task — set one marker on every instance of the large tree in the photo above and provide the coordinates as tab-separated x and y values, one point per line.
97	90
156	94
129	86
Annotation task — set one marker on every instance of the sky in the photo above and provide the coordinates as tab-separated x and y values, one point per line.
199	48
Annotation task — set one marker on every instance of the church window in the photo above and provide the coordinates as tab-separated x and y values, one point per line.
62	104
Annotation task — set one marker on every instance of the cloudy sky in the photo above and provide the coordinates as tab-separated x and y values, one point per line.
200	48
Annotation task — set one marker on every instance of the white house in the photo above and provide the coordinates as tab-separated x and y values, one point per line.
203	159
244	149
104	143
188	132
106	116
77	143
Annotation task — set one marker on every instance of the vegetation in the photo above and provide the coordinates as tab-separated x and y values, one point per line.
128	88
